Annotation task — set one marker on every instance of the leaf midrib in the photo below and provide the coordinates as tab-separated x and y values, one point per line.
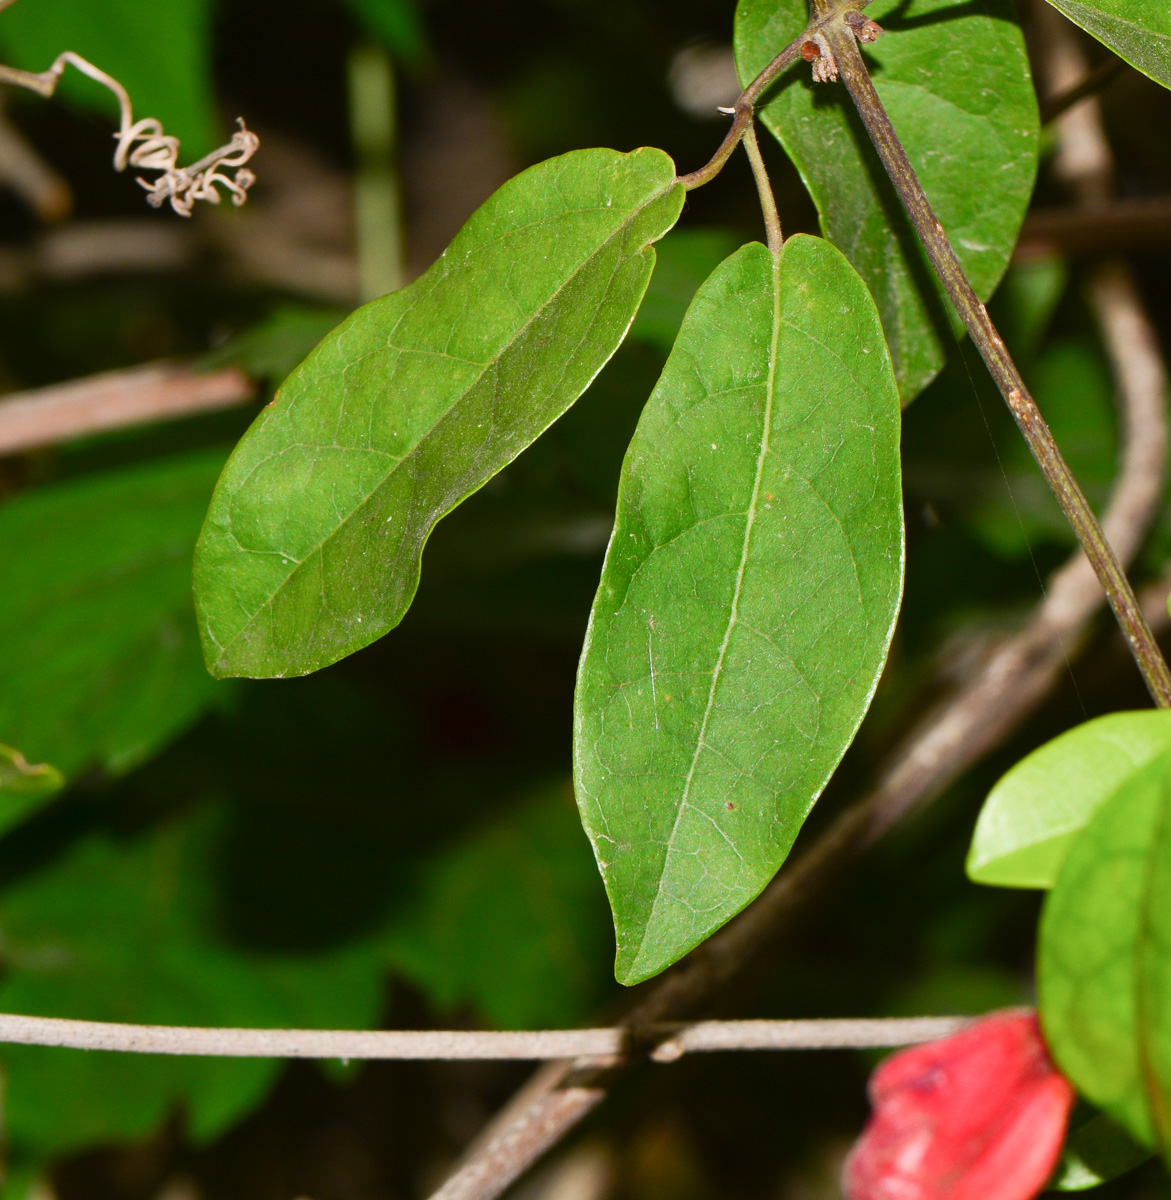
398	463
734	612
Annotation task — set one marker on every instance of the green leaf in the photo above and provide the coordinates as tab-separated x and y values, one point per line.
1096	1152
1104	961
1032	816
97	636
311	548
161	54
1136	30
954	77
511	919
128	931
748	597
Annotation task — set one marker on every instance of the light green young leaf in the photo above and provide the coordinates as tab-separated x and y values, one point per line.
954	77
131	931
1032	815
101	661
161	54
311	548
1136	30
1104	961
748	597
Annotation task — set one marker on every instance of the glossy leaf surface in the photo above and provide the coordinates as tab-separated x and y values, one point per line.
1104	968
311	548
1033	814
129	931
748	597
955	80
161	55
1137	30
97	632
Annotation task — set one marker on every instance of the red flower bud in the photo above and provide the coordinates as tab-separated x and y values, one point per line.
980	1115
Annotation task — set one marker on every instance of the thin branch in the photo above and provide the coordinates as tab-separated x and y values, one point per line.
764	188
27	174
1118	225
1094	82
1005	687
672	1041
115	400
745	110
1008	379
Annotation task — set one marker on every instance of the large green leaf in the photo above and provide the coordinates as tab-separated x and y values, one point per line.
101	661
1032	815
1104	962
311	548
128	931
161	54
1137	30
512	919
748	597
954	77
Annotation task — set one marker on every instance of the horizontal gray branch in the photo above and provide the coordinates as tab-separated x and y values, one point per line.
671	1041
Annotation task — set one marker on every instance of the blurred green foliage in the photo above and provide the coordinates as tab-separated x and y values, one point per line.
382	845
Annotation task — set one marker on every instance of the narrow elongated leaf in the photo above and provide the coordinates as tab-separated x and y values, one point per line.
99	656
954	77
1136	30
311	548
748	597
1104	963
1033	814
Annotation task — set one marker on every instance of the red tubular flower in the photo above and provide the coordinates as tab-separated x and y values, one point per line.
980	1115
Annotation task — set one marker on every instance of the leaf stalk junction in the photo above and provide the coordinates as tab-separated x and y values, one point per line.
830	43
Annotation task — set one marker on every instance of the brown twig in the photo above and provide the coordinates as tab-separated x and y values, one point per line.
1091	84
1149	658
115	400
28	176
1119	225
742	114
1007	685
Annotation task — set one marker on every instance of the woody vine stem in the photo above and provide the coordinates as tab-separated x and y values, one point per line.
830	43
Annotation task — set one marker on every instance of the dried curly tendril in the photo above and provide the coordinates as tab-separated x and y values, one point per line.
144	146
